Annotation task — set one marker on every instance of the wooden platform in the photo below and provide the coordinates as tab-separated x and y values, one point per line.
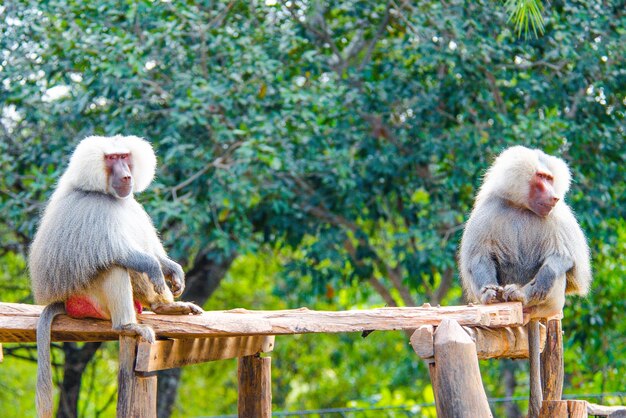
18	322
247	335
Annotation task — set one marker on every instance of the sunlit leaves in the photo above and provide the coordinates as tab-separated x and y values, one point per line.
526	14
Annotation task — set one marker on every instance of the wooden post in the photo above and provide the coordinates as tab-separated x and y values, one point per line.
534	352
255	387
552	362
458	387
136	395
1	354
577	409
564	409
553	409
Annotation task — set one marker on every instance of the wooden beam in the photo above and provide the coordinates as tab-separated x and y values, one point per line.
18	321
423	341
255	387
136	395
511	342
552	368
606	411
167	354
458	387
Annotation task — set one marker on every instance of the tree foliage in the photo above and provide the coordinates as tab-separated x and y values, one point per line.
347	137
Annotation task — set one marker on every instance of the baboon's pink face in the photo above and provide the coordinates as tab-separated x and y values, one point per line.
541	197
119	174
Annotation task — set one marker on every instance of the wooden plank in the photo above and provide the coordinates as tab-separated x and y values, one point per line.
458	387
553	409
18	321
255	387
136	395
510	342
552	368
167	354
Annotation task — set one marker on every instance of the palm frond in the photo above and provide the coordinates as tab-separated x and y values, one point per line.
526	14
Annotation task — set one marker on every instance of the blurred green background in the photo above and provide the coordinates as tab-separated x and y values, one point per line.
319	154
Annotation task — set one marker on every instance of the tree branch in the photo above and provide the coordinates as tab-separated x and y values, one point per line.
372	43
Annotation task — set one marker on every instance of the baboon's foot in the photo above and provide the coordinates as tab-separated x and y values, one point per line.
176	308
143	331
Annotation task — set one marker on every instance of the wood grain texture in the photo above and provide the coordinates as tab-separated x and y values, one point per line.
552	368
553	409
577	409
136	395
509	342
18	321
255	387
167	354
536	393
423	341
458	386
606	411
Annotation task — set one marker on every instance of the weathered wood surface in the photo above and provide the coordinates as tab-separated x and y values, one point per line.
552	368
255	387
510	342
423	341
606	411
577	409
459	390
136	395
534	353
18	321
167	354
1	354
564	409
553	409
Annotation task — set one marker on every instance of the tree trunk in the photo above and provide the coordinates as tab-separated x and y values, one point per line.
76	360
202	280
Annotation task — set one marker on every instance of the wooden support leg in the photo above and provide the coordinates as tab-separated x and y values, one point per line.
536	395
1	355
255	387
564	409
136	395
458	387
552	362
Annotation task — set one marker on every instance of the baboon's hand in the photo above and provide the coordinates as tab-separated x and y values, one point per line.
514	293
492	293
175	275
537	291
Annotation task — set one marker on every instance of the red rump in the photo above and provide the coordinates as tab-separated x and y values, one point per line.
138	307
82	306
